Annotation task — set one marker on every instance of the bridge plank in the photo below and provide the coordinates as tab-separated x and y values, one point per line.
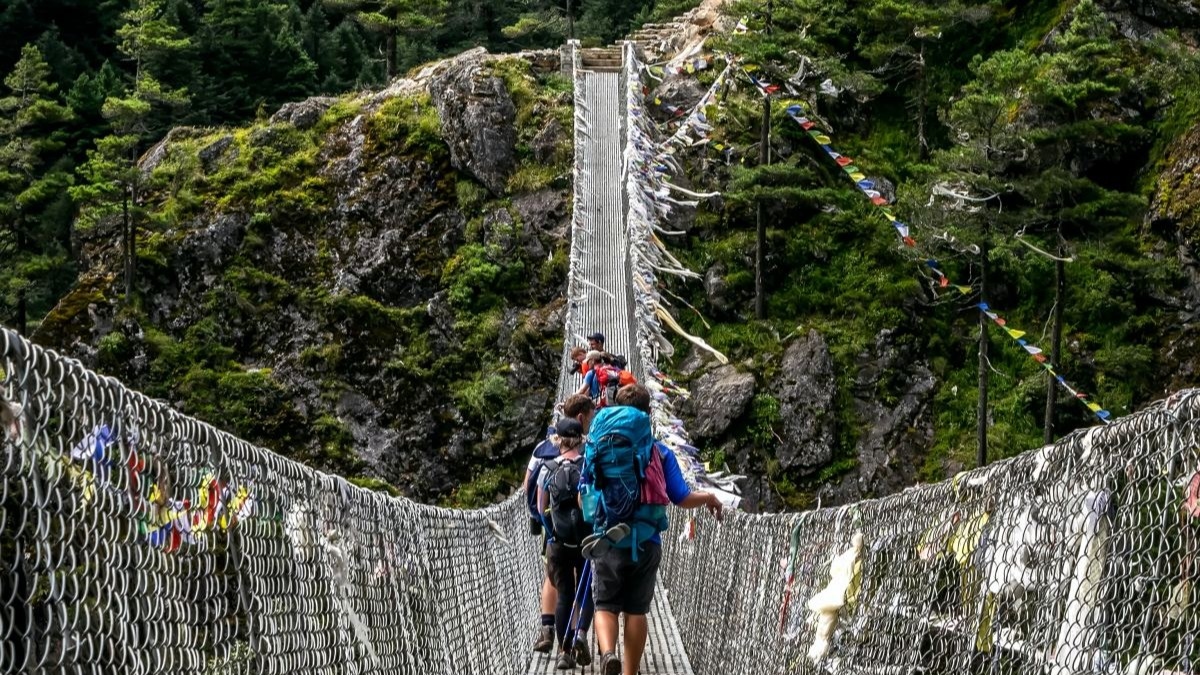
664	651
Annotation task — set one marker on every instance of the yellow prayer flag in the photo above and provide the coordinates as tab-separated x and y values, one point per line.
857	176
1015	334
822	139
1094	407
965	290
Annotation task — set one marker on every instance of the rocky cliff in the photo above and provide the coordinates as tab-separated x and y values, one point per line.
371	284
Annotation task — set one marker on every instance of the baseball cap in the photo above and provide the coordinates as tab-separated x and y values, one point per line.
569	427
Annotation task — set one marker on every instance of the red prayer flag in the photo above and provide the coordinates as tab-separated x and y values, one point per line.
878	201
908	241
944	282
771	88
1040	358
844	161
807	125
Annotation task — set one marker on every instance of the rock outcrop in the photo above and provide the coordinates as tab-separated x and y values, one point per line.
718	398
1144	18
338	305
478	121
806	389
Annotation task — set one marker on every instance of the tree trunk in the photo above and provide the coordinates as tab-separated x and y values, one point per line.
22	314
922	105
760	240
127	243
982	412
390	47
570	22
1060	285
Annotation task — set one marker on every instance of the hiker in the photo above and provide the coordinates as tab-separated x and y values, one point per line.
545	451
580	364
595	341
580	408
627	480
602	380
558	500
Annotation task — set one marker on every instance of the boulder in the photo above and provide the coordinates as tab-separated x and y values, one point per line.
545	144
211	154
303	114
893	394
478	121
718	397
806	389
715	287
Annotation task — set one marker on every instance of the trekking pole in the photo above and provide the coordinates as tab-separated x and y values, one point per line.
569	634
581	598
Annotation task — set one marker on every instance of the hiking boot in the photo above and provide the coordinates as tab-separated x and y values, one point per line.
596	545
545	640
565	661
583	655
610	664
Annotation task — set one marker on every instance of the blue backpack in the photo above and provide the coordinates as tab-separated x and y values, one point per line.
619	449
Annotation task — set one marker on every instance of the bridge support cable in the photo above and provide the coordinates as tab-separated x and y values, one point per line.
138	540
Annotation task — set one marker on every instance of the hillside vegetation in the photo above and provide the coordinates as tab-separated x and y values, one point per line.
221	203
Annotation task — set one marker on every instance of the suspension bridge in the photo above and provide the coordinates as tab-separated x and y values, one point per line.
139	540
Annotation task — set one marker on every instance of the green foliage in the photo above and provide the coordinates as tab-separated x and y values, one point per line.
484	394
487	487
982	98
480	276
410	123
32	133
764	417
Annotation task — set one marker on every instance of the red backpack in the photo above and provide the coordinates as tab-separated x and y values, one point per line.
609	379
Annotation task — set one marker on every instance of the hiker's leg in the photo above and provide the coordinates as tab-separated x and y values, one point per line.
638	597
607	592
549	595
562	573
636	630
606	631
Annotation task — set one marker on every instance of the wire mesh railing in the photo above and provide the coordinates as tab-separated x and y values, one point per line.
138	540
1078	557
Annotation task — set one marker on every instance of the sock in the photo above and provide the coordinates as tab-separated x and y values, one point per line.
547	619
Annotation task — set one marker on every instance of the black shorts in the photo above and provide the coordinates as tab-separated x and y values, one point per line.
622	585
564	566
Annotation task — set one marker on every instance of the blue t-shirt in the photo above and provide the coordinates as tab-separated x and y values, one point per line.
592	380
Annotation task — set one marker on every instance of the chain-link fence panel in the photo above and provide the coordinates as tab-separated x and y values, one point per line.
138	540
1078	557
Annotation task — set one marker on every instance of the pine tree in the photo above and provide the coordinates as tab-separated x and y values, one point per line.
393	19
111	175
902	43
251	56
32	131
